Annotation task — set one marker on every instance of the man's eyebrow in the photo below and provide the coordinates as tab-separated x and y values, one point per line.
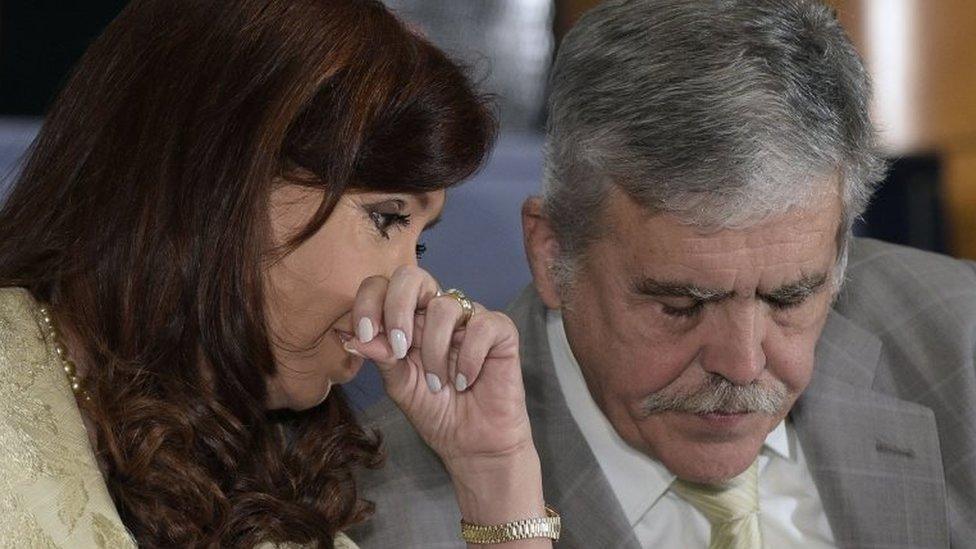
796	291
657	288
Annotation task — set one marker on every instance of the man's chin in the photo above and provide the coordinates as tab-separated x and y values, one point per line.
710	448
711	470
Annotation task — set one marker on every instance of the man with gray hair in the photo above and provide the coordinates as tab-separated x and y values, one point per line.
711	358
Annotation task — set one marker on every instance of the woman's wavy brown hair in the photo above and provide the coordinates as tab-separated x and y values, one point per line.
141	214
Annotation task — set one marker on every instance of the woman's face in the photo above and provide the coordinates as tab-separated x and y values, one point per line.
310	292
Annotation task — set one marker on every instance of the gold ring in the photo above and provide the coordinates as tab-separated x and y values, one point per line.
467	306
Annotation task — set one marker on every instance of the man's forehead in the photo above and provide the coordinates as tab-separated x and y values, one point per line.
815	196
804	251
778	253
666	234
671	238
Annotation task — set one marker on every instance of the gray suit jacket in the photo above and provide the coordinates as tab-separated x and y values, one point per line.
888	423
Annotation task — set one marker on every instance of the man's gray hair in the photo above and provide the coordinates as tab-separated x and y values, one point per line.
720	112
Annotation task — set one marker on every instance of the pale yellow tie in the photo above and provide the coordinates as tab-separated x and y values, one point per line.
731	508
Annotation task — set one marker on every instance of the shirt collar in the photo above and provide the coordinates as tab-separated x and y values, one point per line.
638	480
778	442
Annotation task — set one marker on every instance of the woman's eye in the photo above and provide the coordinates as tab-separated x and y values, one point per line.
683	312
421	250
386	221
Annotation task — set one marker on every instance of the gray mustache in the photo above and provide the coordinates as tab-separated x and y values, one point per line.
717	394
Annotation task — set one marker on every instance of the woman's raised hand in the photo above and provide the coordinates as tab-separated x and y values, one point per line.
460	385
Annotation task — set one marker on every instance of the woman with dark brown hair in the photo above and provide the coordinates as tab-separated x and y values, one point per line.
217	223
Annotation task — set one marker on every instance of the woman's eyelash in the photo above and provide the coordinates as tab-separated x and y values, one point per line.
421	250
386	221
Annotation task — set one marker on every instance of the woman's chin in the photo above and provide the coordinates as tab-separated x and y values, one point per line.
344	374
325	396
309	400
305	380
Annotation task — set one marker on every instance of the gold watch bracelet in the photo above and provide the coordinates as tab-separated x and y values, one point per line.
539	527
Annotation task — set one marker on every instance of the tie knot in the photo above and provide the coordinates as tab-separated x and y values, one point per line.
723	503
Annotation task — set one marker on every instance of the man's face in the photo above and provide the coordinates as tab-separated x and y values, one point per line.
696	344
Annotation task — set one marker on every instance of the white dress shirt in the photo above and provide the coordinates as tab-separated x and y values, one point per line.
790	511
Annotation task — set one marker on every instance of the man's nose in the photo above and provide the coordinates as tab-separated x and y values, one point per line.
734	348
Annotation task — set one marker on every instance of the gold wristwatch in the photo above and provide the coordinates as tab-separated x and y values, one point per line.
547	527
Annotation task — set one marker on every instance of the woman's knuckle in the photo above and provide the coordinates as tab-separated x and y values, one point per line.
374	280
480	325
408	272
494	319
506	323
439	306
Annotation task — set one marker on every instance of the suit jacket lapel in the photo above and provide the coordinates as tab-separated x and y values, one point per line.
874	458
573	481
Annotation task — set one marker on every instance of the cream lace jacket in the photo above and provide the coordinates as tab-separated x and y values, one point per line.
51	491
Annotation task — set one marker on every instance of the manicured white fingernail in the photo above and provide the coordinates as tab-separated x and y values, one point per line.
461	382
364	331
398	340
434	383
352	351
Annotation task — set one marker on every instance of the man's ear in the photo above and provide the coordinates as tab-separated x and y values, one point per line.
542	250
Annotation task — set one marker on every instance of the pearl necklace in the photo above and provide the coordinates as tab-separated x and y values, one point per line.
70	369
